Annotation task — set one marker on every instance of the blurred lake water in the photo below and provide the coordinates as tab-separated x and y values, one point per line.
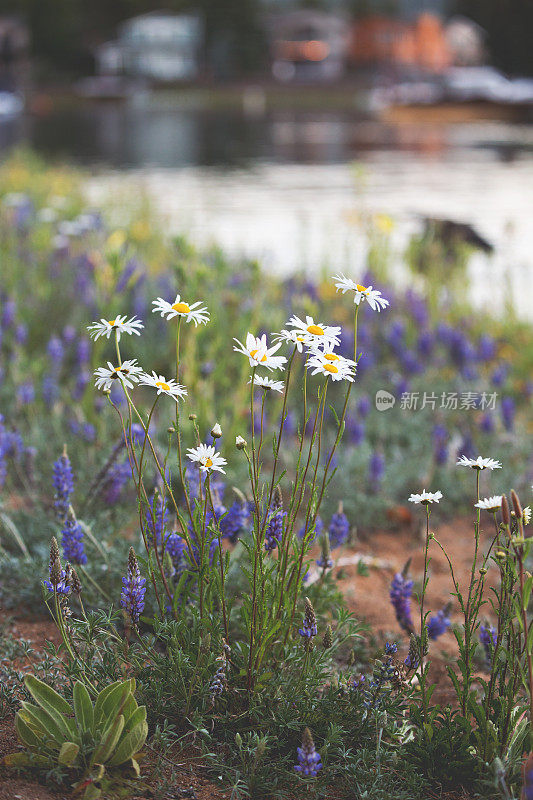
292	187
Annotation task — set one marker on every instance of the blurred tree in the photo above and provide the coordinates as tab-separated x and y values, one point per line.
65	31
509	25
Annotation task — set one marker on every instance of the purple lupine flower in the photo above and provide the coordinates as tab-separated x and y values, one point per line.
486	347
466	447
508	409
355	430
440	444
69	334
72	541
438	623
309	627
21	333
26	393
376	469
234	522
50	390
339	528
400	596
83	350
486	423
175	547
55	350
133	590
274	531
127	273
63	482
289	426
116	394
417	306
82	381
9	311
63	587
488	637
499	375
156	518
364	406
410	362
309	762
426	343
319	527
116	480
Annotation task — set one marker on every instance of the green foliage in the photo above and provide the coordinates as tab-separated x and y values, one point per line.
92	741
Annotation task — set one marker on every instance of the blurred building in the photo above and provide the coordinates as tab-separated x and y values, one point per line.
159	46
308	45
380	40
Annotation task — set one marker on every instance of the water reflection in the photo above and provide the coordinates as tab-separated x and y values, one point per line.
121	135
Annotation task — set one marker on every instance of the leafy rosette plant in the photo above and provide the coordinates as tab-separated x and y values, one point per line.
94	741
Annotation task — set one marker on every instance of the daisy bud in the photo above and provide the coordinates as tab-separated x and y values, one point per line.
516	504
216	431
506	517
192	417
171	430
240	443
527	515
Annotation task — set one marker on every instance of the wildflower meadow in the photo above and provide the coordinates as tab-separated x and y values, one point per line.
270	537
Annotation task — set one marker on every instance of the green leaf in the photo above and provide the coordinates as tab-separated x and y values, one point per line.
83	708
138	716
26	734
109	741
109	701
130	745
52	726
530	638
68	753
46	697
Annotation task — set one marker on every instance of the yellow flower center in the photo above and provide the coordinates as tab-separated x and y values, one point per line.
316	330
300	339
331	368
208	463
111	322
362	289
253	353
331	357
181	308
163	385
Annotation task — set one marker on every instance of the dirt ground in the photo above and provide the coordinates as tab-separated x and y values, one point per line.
367	596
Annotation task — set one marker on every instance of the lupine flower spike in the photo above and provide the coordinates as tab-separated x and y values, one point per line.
133	590
309	627
400	596
309	761
439	623
274	530
63	485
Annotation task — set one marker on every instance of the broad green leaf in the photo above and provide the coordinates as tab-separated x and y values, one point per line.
52	725
47	697
109	741
527	592
25	760
26	734
109	698
83	707
130	745
138	716
68	753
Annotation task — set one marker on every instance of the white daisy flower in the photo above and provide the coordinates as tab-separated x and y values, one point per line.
194	312
315	333
292	337
426	498
479	463
163	385
331	365
374	298
259	354
322	351
119	325
207	458
128	373
526	515
492	504
267	383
